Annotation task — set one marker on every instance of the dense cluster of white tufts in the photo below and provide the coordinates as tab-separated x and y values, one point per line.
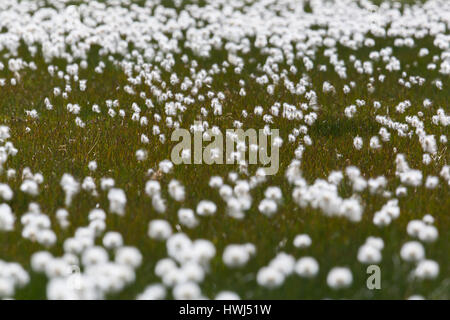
276	58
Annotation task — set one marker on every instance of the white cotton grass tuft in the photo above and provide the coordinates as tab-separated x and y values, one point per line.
206	208
423	229
428	219
153	292
302	241
227	295
12	277
370	251
368	254
37	226
389	212
70	186
176	190
6	192
128	256
166	166
62	216
141	155
235	256
270	278
187	218
152	187
7	218
306	267
426	269
94	255
159	229
416	297
428	234
412	251
165	89
107	183
158	203
358	143
112	240
273	193
117	201
268	207
339	278
32	188
215	182
375	242
187	291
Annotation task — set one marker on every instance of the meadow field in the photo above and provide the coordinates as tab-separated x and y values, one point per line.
92	205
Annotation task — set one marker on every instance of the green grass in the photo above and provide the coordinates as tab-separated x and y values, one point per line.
55	145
